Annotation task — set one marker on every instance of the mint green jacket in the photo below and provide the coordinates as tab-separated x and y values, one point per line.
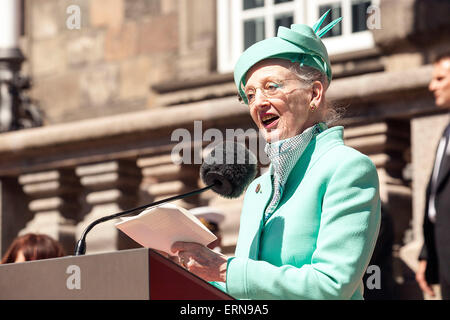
318	242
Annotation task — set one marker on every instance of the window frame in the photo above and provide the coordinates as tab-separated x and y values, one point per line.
349	41
230	30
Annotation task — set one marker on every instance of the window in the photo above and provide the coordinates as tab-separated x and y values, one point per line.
351	34
240	23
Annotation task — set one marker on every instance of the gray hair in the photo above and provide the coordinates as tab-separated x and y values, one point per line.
308	76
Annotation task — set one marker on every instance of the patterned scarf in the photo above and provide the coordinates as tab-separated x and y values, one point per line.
283	156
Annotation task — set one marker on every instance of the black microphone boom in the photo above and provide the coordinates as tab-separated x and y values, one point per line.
80	249
227	170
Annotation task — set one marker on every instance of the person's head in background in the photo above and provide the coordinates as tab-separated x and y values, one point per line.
32	246
211	218
440	82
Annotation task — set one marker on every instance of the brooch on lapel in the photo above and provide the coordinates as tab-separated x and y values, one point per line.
258	188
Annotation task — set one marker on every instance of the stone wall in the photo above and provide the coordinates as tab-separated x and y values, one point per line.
122	48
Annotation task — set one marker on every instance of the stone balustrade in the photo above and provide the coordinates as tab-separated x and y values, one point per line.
57	179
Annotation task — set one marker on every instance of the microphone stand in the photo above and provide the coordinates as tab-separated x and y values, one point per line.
80	248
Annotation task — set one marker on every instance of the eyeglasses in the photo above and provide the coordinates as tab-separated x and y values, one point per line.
269	90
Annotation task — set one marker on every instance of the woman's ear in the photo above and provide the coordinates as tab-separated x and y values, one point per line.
317	93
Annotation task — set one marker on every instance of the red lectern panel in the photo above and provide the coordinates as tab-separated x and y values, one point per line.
169	281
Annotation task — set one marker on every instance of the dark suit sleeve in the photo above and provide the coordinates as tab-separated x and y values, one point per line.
428	251
423	255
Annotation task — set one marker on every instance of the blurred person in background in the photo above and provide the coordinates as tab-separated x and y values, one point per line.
32	246
434	258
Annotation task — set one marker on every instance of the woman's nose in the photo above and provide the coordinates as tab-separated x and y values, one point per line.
260	99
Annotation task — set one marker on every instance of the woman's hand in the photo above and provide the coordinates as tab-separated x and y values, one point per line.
421	280
202	261
168	256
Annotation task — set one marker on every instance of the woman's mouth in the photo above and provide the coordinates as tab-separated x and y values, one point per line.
269	120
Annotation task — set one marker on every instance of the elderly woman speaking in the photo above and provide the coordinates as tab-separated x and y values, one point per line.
309	225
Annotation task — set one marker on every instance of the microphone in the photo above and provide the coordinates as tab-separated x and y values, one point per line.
230	167
227	170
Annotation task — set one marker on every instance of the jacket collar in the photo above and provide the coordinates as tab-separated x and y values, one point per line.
317	147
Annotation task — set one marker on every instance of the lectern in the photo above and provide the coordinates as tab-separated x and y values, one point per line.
137	274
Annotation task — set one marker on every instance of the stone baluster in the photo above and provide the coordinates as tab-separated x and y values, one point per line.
57	203
110	188
164	178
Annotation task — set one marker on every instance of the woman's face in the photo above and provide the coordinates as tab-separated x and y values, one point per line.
20	257
284	113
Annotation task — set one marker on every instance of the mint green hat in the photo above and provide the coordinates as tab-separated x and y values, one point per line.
300	44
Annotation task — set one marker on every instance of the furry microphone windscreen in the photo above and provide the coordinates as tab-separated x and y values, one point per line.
231	167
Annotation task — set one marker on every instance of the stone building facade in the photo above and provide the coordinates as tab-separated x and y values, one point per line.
114	91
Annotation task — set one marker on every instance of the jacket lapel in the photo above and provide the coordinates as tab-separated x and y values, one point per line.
444	171
312	153
261	197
